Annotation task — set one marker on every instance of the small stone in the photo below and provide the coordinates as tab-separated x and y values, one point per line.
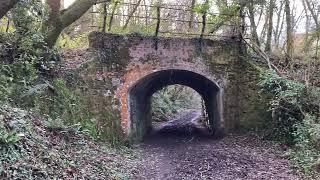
107	94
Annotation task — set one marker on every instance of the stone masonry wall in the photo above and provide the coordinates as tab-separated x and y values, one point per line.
119	62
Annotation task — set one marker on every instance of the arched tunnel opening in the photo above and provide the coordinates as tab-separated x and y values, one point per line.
140	99
178	110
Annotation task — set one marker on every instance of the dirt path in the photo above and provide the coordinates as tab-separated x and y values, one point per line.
191	157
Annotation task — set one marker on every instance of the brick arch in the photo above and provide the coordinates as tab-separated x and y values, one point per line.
136	100
119	63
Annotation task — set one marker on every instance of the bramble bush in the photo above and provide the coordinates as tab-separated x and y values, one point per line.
295	118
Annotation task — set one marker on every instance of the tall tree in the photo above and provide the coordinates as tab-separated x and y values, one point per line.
193	3
6	5
314	15
104	17
307	21
146	12
253	26
279	25
270	26
313	12
289	30
58	20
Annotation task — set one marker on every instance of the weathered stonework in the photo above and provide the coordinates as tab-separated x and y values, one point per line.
127	70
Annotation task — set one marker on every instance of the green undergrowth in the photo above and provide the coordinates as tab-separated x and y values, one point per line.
173	100
66	106
27	81
48	129
67	42
295	119
31	148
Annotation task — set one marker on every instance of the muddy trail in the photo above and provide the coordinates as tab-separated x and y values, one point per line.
169	155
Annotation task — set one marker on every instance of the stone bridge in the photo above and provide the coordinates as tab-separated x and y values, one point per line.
125	70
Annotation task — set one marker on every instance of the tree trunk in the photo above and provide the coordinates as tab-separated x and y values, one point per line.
146	12
316	20
261	13
8	25
112	15
59	20
313	13
192	14
204	19
104	23
279	26
307	25
253	26
270	27
280	31
263	31
6	5
289	31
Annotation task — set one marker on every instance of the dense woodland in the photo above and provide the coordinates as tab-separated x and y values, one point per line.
282	39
